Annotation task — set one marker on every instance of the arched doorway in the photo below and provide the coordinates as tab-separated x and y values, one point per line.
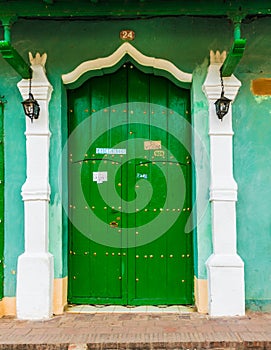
135	177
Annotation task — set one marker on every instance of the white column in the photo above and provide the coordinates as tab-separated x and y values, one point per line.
35	266
225	268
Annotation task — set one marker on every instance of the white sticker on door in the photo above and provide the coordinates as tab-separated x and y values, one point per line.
99	176
141	176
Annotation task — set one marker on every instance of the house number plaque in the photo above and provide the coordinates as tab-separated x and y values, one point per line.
127	35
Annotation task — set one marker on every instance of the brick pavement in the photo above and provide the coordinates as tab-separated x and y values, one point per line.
138	331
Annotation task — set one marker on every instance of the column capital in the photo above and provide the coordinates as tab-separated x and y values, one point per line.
212	84
41	86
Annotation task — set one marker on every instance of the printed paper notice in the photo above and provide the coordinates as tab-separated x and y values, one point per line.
110	151
149	145
99	176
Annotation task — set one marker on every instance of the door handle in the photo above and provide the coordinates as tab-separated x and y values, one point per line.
113	224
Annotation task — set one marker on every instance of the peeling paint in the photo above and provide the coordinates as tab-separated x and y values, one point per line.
261	99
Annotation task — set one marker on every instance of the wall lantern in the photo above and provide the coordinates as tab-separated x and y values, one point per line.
31	106
223	103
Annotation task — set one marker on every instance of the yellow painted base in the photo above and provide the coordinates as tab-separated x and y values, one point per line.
60	295
8	306
201	295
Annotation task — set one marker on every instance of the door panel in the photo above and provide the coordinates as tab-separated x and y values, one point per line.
145	183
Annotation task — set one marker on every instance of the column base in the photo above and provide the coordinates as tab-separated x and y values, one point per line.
226	285
35	286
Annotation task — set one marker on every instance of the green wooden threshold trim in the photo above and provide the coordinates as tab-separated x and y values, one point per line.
233	57
15	60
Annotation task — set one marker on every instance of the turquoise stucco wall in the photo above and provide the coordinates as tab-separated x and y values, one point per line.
252	170
186	42
15	175
202	231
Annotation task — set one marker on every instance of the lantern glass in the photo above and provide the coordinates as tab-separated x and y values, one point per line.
31	107
222	106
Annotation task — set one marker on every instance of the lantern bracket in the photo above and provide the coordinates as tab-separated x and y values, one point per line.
10	54
237	50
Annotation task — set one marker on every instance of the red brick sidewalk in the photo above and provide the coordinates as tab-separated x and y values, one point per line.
138	331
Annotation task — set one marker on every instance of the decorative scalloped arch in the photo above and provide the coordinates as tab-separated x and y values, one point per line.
112	62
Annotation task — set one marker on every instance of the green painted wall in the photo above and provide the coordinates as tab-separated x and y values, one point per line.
202	233
14	141
252	167
186	42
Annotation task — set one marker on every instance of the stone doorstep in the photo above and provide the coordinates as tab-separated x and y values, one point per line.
144	346
115	309
181	346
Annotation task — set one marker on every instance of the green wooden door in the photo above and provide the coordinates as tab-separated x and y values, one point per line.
135	180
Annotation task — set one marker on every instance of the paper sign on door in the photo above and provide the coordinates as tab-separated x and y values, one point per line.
149	145
99	176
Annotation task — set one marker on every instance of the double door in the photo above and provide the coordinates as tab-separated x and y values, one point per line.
129	191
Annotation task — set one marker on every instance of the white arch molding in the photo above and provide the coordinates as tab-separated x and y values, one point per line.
115	57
